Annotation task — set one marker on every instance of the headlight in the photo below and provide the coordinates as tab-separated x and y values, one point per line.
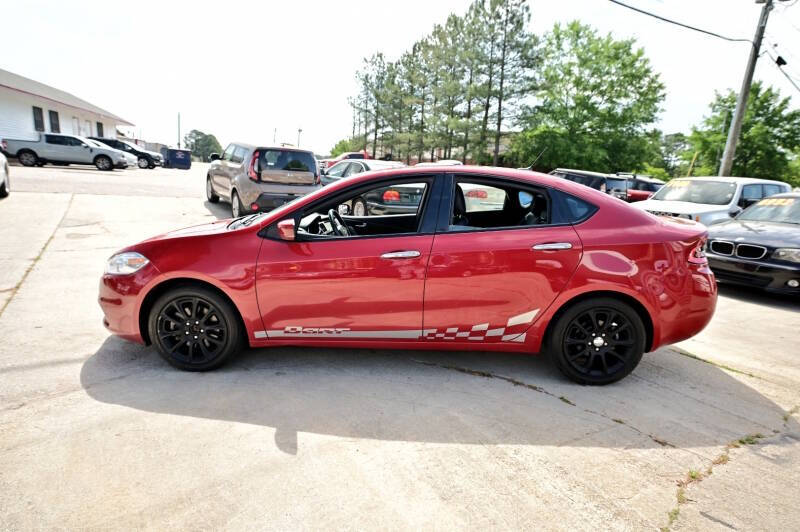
126	263
790	254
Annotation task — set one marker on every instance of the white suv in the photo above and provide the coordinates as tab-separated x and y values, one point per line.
709	199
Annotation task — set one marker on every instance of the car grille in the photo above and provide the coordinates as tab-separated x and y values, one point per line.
749	251
721	247
743	251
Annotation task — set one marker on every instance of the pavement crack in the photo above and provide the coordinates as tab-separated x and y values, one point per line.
35	260
487	375
695	476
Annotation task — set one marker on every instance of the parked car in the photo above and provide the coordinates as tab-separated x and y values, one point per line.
708	199
67	149
144	158
641	188
350	167
761	246
5	179
559	267
441	162
257	178
327	163
612	184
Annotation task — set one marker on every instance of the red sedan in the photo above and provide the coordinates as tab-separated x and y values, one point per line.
530	263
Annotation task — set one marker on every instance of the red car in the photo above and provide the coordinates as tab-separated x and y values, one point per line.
537	263
327	163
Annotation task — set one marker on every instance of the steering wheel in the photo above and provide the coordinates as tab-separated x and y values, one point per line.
337	223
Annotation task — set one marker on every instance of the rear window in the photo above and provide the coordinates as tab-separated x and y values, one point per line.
355	156
616	184
290	161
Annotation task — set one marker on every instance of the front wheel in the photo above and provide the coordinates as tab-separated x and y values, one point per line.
5	188
142	163
210	195
103	162
598	341
195	329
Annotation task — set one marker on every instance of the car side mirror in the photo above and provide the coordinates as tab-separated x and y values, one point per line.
745	203
286	229
734	212
324	171
213	157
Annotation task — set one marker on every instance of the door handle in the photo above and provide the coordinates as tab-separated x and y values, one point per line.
400	255
552	246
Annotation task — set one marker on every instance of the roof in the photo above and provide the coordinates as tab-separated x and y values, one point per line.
726	179
22	84
584	172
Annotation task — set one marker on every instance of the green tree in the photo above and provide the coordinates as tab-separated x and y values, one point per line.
595	97
346	145
770	135
201	144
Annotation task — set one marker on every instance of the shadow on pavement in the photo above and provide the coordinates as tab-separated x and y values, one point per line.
430	396
220	211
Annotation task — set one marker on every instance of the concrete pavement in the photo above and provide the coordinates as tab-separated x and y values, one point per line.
97	432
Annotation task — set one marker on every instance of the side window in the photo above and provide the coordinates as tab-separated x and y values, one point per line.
72	141
387	209
38	119
100	129
479	206
353	169
54	139
239	154
577	209
750	193
769	190
338	169
228	152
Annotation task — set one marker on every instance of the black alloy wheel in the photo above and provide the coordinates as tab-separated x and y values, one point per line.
598	341
194	329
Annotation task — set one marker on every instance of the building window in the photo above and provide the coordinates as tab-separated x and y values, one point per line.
55	127
100	129
38	118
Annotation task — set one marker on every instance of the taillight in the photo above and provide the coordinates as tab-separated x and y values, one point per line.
391	195
698	254
477	193
251	169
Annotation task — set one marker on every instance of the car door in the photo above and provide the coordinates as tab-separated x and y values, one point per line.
79	151
357	288
497	262
51	147
750	195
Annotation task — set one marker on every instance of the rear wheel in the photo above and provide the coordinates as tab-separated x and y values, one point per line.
195	329
103	162
5	189
27	158
213	198
598	341
142	163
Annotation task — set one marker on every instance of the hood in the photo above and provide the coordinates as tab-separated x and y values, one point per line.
770	234
212	228
679	207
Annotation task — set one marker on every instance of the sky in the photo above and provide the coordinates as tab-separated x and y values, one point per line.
254	71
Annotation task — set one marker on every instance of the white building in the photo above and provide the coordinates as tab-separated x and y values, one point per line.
28	107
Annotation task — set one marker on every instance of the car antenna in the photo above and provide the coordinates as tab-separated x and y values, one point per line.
537	158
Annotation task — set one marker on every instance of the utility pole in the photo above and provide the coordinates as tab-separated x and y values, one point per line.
274	135
741	102
179	131
298	136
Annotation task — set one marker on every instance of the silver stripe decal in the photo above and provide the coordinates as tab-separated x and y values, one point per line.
260	334
522	318
496	332
281	333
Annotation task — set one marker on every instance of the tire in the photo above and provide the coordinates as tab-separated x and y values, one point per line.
151	165
5	189
237	209
27	158
359	207
212	198
103	162
597	341
142	163
214	331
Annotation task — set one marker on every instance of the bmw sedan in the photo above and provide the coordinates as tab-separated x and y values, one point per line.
546	265
761	247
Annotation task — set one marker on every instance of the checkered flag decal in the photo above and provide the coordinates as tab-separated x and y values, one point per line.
514	330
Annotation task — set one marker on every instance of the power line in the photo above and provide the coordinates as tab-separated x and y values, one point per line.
787	76
659	17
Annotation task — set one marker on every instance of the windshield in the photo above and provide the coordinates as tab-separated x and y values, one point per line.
782	210
697	191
